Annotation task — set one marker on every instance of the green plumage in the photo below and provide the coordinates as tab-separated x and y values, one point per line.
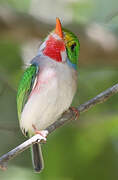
24	90
72	46
25	87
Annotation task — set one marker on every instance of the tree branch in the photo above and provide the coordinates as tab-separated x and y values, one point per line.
66	117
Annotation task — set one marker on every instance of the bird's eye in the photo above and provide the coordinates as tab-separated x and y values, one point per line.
73	46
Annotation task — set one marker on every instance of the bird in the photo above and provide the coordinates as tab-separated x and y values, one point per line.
48	85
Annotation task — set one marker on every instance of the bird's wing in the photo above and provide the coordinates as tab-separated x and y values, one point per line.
25	87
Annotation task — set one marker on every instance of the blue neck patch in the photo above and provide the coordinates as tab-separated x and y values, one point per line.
71	64
35	60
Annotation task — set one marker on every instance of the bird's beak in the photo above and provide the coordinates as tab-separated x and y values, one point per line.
58	29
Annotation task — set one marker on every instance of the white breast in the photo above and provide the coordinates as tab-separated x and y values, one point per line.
53	94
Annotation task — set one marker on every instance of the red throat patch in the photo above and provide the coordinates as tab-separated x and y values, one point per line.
53	48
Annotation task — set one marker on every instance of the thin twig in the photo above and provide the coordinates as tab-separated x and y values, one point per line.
66	117
13	153
100	98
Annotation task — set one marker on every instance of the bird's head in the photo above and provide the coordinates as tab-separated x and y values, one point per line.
61	45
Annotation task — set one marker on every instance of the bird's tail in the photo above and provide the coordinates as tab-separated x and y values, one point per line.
37	158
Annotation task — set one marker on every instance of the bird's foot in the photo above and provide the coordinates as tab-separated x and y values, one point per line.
43	133
75	111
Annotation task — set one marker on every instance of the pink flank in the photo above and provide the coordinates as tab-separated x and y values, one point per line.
42	79
53	48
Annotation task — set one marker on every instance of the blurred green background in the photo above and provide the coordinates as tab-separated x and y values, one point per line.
87	148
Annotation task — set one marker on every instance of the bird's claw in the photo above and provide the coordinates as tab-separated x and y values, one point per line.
42	133
76	112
